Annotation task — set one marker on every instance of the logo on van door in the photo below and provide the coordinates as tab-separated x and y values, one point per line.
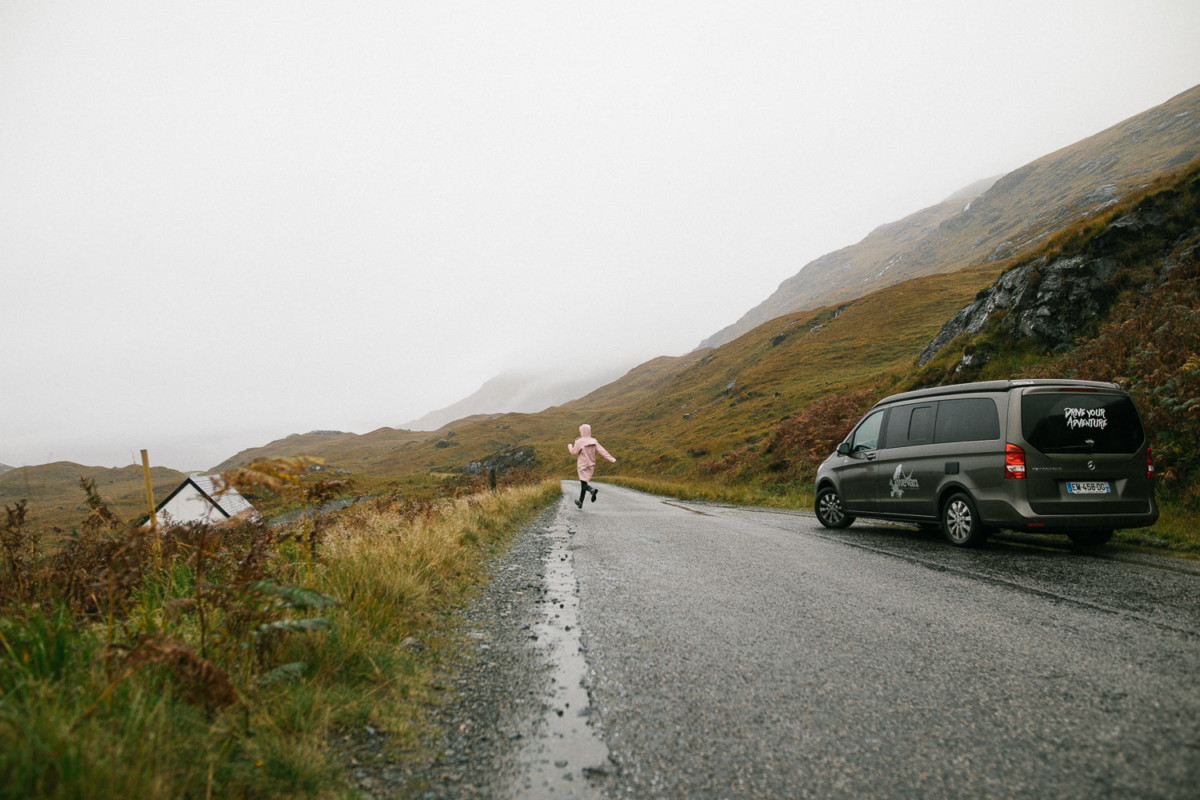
900	482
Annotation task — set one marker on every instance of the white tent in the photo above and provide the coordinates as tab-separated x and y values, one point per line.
203	498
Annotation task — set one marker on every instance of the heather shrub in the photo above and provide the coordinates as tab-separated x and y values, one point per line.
802	441
1151	346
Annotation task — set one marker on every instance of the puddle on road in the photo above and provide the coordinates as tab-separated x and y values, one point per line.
568	757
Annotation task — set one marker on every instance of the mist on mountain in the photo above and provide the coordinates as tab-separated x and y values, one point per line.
520	391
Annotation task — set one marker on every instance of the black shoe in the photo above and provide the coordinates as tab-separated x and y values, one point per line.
579	503
594	493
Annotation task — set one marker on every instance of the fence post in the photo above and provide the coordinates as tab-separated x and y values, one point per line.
149	490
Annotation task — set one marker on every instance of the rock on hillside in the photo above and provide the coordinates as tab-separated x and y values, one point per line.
1050	301
1054	299
1018	212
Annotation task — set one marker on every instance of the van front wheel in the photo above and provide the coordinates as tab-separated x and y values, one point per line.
829	509
961	523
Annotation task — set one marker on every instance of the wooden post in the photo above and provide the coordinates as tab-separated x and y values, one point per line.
149	490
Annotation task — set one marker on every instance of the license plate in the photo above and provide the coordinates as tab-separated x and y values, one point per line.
1088	487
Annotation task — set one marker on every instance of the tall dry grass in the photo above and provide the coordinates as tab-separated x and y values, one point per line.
228	662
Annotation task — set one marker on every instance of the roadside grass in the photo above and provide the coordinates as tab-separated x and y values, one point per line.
193	682
791	496
1176	533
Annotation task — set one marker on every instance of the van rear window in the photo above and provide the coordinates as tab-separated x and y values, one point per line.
1081	422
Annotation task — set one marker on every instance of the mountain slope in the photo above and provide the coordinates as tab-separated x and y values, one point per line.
344	448
672	416
1016	213
672	413
681	416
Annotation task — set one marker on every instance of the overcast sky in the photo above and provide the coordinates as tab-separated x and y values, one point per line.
225	222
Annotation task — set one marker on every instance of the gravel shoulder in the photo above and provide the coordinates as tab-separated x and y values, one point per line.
498	693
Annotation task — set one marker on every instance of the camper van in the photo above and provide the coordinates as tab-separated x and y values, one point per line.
1041	456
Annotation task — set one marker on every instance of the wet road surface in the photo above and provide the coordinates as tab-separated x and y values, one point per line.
740	653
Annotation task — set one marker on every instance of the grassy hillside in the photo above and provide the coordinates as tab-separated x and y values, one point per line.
1147	339
670	415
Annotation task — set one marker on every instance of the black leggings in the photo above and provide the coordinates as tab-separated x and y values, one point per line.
583	490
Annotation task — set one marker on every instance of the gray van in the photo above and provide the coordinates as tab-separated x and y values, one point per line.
1042	456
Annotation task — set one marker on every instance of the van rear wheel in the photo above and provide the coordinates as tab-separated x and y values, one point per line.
829	509
961	523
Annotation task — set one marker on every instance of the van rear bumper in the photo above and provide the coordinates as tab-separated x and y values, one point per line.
1020	517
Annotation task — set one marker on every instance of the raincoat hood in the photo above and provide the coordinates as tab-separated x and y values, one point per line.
585	449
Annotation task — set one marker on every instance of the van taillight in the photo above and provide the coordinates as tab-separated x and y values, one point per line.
1014	462
1149	464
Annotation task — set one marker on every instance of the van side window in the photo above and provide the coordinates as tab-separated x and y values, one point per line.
920	427
972	419
909	425
866	435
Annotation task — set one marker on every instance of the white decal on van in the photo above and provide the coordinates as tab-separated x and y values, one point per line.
1086	418
900	481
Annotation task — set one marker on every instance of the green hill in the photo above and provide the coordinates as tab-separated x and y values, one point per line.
55	498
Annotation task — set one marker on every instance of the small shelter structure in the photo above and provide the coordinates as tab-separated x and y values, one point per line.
203	498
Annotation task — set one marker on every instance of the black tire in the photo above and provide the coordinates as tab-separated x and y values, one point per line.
960	522
828	506
1090	538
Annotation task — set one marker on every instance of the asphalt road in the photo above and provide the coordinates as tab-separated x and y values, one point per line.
736	653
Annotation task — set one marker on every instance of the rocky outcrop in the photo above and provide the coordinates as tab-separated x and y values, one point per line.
1054	299
1050	301
516	458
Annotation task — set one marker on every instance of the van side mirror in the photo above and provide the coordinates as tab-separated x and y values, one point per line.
843	449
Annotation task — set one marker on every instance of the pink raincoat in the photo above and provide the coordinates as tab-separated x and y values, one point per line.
585	447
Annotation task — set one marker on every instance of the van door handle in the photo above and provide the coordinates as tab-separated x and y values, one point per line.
872	456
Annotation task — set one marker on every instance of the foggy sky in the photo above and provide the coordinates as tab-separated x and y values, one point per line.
225	222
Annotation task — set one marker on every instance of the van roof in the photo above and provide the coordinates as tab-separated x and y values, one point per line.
995	386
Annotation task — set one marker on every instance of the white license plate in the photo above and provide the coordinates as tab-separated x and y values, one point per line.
1088	487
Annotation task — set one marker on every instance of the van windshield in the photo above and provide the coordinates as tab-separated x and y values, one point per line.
1081	422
